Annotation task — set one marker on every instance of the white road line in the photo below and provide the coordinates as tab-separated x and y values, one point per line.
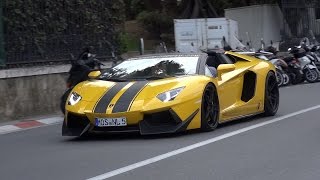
194	146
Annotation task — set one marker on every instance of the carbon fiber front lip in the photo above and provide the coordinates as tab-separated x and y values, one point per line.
147	129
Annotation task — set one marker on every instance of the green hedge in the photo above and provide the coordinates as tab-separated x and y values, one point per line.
51	29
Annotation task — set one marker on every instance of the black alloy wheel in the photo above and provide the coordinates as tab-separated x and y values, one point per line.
210	108
271	100
63	100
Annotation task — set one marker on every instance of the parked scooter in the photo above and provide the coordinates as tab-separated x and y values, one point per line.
282	75
294	70
80	68
311	73
315	53
289	65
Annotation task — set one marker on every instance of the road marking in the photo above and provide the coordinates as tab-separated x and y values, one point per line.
54	120
25	125
8	128
197	145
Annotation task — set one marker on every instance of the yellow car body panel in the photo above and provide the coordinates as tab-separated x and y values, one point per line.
186	104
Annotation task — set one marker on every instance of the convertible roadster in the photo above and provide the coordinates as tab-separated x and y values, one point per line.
170	93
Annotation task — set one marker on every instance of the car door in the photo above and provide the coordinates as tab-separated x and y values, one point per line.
229	89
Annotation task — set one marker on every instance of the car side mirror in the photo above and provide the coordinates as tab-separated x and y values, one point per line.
94	74
224	68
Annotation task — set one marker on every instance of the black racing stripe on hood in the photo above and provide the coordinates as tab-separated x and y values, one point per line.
103	103
127	97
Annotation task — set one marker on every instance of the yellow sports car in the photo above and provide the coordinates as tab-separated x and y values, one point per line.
170	93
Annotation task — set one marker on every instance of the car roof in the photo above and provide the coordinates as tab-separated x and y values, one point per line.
175	54
164	55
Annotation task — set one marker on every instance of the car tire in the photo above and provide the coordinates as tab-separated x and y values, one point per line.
271	99
210	109
63	100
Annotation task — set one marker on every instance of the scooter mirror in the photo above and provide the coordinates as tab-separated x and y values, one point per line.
94	74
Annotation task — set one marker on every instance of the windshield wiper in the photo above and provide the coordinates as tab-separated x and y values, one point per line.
114	79
155	77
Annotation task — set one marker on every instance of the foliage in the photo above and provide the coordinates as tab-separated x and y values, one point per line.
132	8
128	43
36	28
156	22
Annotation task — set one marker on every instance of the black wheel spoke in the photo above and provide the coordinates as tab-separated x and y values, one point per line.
207	115
271	104
273	96
272	85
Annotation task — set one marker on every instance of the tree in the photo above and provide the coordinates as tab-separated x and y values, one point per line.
197	9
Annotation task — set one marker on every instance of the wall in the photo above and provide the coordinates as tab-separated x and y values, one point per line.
260	21
29	92
29	96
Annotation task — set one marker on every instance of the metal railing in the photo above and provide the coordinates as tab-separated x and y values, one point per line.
52	46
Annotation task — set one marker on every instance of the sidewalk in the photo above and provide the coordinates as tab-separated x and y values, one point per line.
30	123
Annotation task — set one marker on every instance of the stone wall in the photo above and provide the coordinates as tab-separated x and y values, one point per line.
30	96
30	92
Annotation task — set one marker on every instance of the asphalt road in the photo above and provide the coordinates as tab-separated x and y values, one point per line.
284	149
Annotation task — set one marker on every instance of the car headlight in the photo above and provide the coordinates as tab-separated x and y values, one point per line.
169	95
74	98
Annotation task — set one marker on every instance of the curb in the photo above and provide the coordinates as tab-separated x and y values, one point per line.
24	125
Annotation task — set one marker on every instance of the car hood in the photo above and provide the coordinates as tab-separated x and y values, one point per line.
95	90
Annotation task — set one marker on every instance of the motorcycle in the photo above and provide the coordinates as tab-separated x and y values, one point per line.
294	70
315	53
80	68
281	73
309	68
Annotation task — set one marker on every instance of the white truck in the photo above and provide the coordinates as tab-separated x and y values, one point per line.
193	35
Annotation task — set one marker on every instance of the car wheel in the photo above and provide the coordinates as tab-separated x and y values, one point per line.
271	100
209	108
63	100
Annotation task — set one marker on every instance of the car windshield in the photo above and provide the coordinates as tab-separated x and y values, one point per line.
148	68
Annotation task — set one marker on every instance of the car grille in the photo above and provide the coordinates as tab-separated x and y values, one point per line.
160	119
77	121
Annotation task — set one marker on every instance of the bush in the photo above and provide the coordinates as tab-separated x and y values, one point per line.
128	43
51	29
156	22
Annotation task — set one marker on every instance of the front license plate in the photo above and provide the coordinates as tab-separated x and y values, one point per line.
110	122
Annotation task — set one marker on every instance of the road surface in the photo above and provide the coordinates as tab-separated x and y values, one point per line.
284	147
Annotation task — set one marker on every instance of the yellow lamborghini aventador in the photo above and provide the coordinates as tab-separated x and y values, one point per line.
170	93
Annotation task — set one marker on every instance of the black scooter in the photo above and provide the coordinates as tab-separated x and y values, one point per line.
80	69
294	70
